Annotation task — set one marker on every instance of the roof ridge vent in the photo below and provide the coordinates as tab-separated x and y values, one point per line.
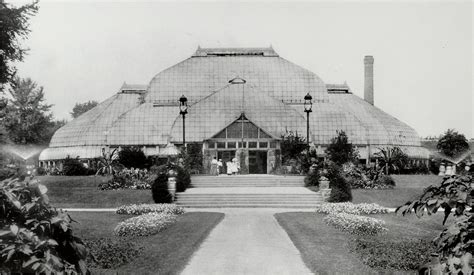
203	52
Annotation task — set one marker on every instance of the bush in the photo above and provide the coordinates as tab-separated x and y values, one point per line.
111	254
160	191
139	209
340	188
292	145
6	173
350	208
35	237
192	157
340	150
385	182
144	225
312	178
126	179
74	167
40	171
405	254
183	179
355	224
133	157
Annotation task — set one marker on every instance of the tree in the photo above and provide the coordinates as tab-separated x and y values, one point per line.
14	27
392	158
340	150
28	119
452	143
132	157
292	145
455	243
81	108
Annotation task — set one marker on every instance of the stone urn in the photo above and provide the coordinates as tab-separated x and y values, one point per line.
324	187
172	183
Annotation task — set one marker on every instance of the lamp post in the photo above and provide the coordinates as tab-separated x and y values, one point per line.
183	110
308	105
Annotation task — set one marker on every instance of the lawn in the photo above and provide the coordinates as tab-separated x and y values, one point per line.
408	187
82	192
325	250
164	253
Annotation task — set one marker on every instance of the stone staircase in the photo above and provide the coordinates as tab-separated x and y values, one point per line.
248	191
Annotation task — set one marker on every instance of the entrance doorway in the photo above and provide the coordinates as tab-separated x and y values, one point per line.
257	162
225	156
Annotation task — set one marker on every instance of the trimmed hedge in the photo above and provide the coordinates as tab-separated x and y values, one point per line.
159	189
355	224
139	209
350	208
110	254
144	225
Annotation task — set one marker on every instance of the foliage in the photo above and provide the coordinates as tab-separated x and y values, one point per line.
350	208
405	254
159	189
312	178
139	209
340	188
132	157
110	254
385	182
452	143
292	145
108	164
192	157
40	171
340	150
145	225
74	167
368	178
6	173
183	179
129	179
14	27
28	119
392	158
35	237
81	108
308	158
355	224
455	243
244	169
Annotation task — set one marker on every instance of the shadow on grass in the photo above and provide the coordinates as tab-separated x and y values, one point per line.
167	252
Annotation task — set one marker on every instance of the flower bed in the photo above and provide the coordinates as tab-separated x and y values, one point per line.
144	225
350	208
354	224
139	209
129	179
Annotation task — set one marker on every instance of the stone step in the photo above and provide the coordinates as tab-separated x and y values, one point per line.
249	205
278	200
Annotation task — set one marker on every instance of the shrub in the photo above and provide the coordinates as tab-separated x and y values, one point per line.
340	150
35	237
192	157
355	224
452	143
40	171
6	173
159	189
132	157
292	145
350	208
392	159
74	167
127	179
406	254
144	225
139	209
183	179
340	188
110	254
312	178
385	182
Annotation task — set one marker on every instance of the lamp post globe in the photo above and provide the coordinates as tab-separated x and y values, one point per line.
183	110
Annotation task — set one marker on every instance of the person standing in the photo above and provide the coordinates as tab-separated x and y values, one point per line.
214	167
219	166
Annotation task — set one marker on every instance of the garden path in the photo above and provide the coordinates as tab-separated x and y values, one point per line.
247	241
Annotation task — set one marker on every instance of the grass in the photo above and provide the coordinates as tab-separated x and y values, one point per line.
408	187
82	192
325	250
164	253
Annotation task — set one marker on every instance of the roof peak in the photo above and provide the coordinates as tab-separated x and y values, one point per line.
267	51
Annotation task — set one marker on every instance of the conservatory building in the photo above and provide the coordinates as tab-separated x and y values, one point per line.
240	103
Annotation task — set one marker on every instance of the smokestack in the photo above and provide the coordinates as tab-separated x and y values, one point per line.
369	79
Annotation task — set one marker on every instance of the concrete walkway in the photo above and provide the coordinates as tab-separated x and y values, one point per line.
247	241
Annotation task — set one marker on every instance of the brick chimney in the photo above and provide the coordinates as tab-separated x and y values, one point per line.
369	79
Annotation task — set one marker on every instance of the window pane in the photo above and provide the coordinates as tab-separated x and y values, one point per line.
250	130
263	144
231	144
273	144
240	145
234	130
263	135
221	145
220	135
211	144
252	144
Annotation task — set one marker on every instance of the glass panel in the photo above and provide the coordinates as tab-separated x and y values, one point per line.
234	130
231	144
250	130
240	145
211	145
221	145
252	144
263	144
273	144
263	134
221	134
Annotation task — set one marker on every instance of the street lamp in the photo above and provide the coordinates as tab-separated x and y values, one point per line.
183	110
308	105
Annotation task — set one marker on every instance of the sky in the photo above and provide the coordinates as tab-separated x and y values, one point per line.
423	51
